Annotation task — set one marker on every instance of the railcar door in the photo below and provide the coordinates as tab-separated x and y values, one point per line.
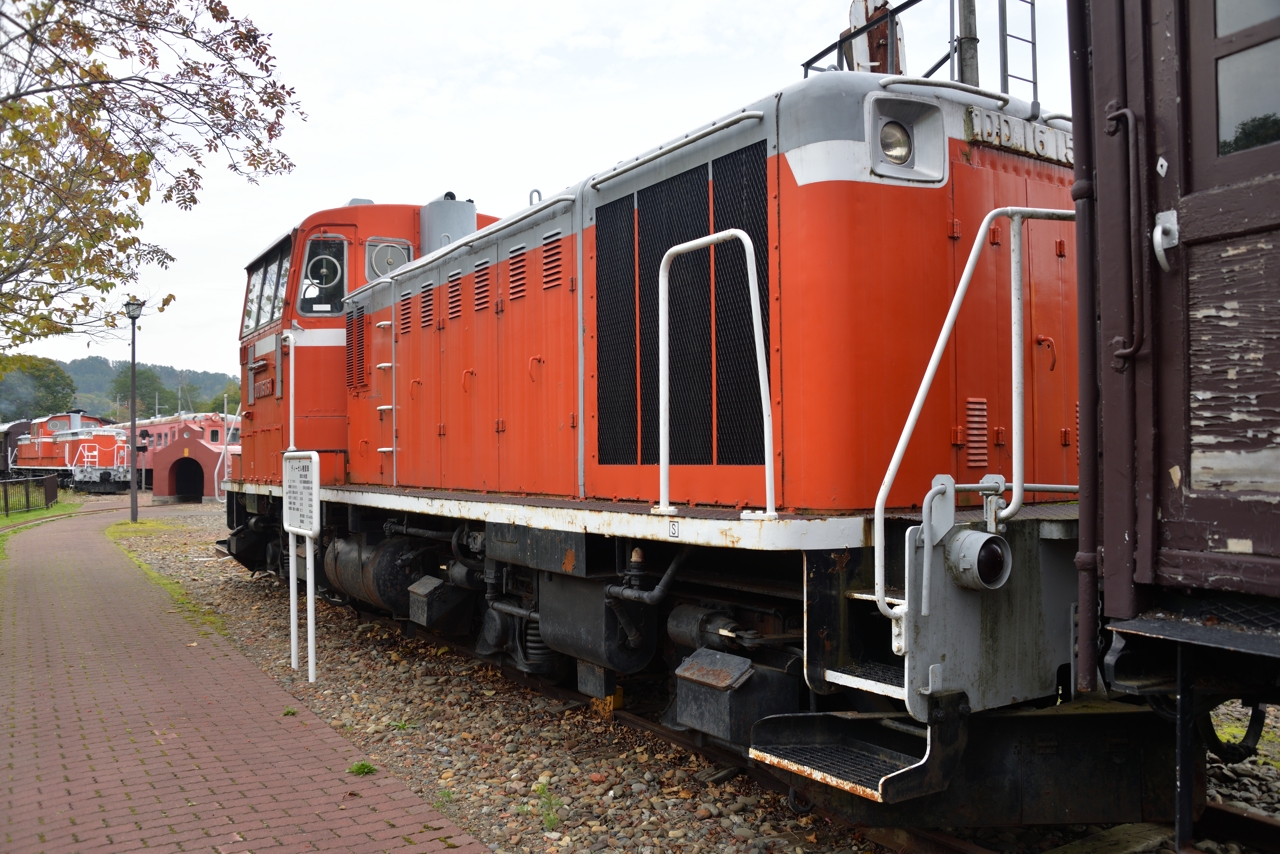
1198	401
468	378
538	362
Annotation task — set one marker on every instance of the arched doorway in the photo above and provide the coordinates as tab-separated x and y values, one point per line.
188	480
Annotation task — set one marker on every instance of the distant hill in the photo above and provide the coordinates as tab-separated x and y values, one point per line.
93	374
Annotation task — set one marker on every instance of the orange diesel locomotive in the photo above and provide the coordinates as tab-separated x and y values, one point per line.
578	438
83	450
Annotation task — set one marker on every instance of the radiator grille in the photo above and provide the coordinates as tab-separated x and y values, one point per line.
428	305
455	295
519	272
672	212
740	186
551	252
355	348
615	331
482	285
404	310
975	432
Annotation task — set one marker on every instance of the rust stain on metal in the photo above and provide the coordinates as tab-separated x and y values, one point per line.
818	776
570	559
714	677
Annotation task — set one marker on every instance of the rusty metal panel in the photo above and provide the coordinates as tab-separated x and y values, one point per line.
552	551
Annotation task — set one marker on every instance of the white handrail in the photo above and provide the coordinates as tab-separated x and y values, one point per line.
664	507
980	239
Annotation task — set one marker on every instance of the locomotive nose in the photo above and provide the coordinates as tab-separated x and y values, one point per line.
978	560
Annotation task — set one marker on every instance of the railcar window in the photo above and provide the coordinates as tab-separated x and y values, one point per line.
1236	15
233	438
267	310
213	436
323	277
251	302
283	280
1248	111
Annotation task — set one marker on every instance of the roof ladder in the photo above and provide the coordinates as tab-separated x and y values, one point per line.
1005	38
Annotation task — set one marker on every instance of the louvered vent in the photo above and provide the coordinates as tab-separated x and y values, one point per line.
975	432
455	295
551	271
355	348
518	272
428	305
482	284
405	309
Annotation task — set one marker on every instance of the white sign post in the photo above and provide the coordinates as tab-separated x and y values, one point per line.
302	518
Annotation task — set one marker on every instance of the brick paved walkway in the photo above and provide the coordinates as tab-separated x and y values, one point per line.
124	730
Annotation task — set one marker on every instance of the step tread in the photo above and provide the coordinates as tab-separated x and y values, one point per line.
875	671
841	761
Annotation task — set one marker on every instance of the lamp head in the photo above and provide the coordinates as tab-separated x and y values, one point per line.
133	308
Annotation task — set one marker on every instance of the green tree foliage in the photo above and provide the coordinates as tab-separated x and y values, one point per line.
150	388
214	402
1252	132
103	105
31	386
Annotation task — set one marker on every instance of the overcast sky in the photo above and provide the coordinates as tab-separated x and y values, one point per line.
405	100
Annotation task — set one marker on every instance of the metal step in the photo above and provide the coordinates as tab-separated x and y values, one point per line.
887	758
856	768
888	680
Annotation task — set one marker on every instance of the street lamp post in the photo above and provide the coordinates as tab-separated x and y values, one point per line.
133	309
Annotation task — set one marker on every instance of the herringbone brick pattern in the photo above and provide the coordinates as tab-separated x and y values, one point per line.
125	729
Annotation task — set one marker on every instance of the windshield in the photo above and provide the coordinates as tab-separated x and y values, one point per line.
268	278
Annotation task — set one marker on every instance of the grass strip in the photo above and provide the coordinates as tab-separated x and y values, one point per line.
204	619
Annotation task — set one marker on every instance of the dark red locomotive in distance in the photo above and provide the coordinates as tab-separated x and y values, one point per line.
785	409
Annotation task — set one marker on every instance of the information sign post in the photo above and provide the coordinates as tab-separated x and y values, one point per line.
302	519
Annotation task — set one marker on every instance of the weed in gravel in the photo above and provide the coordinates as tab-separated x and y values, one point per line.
548	804
362	769
443	797
403	725
289	711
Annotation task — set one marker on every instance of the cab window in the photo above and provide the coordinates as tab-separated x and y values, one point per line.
268	277
324	276
251	301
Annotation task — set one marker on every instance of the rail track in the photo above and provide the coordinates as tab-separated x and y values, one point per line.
1218	821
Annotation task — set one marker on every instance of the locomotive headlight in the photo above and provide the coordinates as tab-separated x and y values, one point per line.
895	142
978	560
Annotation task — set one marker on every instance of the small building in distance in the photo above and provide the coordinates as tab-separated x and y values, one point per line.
182	457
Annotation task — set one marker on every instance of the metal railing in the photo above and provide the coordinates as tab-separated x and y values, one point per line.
664	507
1018	359
31	493
890	15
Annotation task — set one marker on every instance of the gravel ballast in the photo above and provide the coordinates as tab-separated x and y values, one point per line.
525	772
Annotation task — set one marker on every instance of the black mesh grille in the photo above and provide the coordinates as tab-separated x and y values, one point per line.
615	330
672	212
740	186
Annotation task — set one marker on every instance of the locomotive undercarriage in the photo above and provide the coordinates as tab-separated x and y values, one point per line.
724	632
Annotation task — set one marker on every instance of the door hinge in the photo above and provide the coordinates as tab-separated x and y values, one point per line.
957	436
573	419
440	429
954	234
499	426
